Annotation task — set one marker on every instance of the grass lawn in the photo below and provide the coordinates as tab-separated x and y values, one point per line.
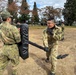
42	27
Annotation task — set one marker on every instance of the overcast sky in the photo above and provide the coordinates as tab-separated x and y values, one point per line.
43	3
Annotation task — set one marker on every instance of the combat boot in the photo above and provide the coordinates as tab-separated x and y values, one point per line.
62	56
59	56
47	60
62	39
52	73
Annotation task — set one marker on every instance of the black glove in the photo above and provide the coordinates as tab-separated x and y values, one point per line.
46	49
50	31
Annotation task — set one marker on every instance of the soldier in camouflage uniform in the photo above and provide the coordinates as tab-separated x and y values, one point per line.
9	37
51	35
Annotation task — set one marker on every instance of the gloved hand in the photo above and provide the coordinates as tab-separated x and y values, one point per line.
46	49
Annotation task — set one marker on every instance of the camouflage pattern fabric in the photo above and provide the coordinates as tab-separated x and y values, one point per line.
9	36
51	41
62	25
63	28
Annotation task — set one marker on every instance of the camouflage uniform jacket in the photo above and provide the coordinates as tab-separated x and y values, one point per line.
52	39
9	35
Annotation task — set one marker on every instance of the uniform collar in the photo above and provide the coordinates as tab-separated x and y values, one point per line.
6	23
51	28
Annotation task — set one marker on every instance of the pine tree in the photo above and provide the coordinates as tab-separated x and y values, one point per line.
35	16
24	11
69	11
10	1
24	7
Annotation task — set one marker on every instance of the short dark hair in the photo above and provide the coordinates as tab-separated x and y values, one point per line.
51	19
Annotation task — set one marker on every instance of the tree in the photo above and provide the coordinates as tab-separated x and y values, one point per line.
10	1
12	8
24	7
49	11
35	17
69	11
24	11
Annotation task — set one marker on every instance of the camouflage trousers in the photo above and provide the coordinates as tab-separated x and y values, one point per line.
9	55
52	55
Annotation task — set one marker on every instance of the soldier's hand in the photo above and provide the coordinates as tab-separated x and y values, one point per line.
46	49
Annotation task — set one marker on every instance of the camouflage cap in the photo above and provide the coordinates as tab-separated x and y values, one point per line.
5	14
